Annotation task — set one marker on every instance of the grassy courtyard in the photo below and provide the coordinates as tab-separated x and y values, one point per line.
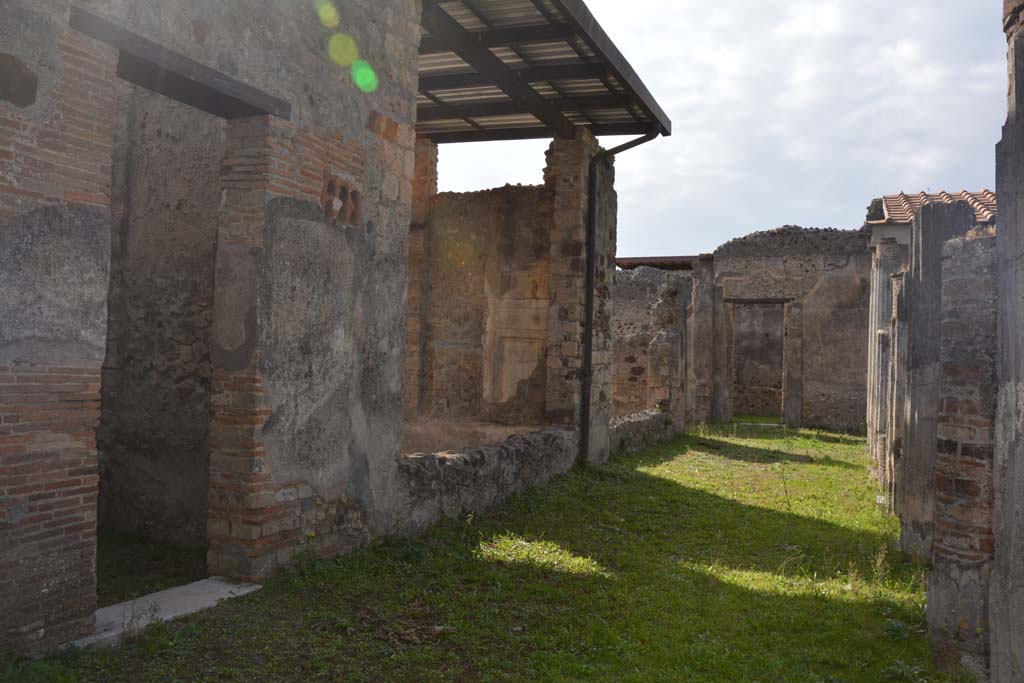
746	553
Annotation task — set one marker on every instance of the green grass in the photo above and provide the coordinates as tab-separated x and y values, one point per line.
758	419
746	553
130	566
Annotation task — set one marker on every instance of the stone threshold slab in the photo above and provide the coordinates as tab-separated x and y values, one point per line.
117	622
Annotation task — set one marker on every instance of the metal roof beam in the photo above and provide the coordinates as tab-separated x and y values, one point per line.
555	72
519	35
534	133
445	112
597	40
442	27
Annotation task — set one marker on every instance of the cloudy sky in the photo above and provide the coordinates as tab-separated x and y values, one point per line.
786	112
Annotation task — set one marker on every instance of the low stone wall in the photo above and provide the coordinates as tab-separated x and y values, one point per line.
633	433
439	485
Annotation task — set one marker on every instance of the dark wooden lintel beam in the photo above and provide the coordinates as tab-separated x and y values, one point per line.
174	75
441	26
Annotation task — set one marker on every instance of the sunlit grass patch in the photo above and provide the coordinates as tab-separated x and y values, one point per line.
543	554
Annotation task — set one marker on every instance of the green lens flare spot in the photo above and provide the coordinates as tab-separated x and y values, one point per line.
328	13
364	76
343	49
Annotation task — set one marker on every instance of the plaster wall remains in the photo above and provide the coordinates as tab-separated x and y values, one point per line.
485	311
649	342
820	278
963	545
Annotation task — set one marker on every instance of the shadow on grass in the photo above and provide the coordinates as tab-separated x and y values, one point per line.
735	451
610	574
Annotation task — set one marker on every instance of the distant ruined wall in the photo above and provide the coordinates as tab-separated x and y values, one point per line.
649	341
820	279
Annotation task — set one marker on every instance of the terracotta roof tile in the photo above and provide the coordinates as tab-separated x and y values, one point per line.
900	208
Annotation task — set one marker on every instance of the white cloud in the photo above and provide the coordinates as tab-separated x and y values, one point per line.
786	111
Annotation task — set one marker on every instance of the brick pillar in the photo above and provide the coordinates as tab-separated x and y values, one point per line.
56	128
793	366
963	541
567	176
1007	593
241	497
424	189
700	342
934	224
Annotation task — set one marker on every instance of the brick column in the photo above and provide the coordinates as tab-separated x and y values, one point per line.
567	176
934	224
963	541
56	119
424	189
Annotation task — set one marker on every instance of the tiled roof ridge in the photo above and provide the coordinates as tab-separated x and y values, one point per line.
900	208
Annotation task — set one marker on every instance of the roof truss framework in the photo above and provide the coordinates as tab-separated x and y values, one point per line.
517	69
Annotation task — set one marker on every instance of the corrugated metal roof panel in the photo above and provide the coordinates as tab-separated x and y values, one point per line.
504	27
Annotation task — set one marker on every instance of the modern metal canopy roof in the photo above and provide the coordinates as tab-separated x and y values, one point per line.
519	69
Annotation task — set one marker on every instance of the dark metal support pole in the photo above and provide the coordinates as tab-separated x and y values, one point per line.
591	277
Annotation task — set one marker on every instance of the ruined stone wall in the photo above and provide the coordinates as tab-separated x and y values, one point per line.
485	307
57	105
826	272
154	457
649	342
1007	591
757	359
962	550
